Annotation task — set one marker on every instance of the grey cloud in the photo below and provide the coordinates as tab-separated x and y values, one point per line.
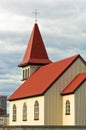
47	9
8	88
14	37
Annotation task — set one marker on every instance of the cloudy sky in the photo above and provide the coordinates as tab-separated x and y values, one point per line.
62	24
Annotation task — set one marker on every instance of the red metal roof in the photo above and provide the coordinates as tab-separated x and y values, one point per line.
36	52
77	81
42	79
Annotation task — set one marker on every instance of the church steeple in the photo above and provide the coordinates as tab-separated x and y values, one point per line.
36	52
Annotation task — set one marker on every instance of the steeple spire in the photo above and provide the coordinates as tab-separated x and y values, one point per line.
36	52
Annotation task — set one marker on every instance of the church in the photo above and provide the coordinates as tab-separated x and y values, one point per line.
51	93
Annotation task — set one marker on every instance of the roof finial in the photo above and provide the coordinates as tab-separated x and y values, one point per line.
35	12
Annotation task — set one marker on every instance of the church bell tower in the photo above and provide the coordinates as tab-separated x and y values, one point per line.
35	55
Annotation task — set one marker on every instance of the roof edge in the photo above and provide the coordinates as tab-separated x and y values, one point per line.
34	63
62	93
25	97
74	90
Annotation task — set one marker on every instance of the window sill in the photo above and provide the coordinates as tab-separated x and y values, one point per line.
36	119
25	120
14	120
67	114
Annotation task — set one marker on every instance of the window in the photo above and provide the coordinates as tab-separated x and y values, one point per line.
67	107
28	73
24	112
14	112
36	110
25	74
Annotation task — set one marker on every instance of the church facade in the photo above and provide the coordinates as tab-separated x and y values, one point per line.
52	93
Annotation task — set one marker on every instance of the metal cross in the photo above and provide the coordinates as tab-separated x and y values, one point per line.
35	14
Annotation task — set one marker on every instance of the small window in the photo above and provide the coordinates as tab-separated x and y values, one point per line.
67	107
24	112
25	74
36	110
28	73
14	112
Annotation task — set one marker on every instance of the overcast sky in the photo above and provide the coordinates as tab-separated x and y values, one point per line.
62	24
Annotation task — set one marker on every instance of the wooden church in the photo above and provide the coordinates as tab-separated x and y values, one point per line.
51	93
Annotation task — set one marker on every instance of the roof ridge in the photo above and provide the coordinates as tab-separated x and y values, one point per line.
77	55
31	37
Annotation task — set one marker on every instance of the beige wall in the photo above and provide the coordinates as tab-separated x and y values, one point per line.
69	119
30	111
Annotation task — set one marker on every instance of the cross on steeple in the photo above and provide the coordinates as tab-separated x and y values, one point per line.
35	12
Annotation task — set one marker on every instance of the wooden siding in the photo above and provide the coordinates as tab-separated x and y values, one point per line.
80	105
53	99
33	68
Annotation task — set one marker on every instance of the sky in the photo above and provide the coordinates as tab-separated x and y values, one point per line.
62	24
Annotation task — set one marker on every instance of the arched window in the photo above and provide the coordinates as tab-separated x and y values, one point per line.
67	107
36	110
14	112
24	112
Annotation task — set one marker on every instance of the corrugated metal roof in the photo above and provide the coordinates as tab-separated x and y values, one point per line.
77	81
41	80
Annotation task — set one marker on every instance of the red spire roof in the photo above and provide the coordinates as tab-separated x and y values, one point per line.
77	81
36	52
42	79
